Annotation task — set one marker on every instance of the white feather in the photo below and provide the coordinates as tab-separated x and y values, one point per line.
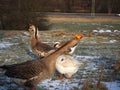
67	65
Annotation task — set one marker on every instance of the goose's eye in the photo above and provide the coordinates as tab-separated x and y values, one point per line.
62	59
32	30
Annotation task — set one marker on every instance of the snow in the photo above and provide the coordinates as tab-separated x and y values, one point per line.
101	31
116	31
58	84
95	31
113	85
118	14
108	31
113	41
74	82
3	88
65	84
6	44
26	33
70	84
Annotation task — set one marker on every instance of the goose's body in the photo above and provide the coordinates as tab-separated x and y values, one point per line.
39	48
32	72
28	73
67	65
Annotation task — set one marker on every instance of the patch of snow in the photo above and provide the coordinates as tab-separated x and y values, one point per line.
95	31
7	60
59	84
110	41
70	84
113	41
26	33
91	66
65	84
3	88
6	44
113	85
101	31
115	31
108	31
118	14
85	57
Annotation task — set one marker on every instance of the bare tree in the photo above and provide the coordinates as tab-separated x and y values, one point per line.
109	6
68	5
93	8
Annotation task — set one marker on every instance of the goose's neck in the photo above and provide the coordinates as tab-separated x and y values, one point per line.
51	59
34	41
35	37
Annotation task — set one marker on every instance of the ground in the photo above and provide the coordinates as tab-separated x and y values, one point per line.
99	49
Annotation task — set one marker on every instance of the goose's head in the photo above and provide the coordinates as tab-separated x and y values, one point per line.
33	30
69	61
59	44
79	36
61	60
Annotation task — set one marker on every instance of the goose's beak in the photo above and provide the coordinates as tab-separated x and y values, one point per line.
79	36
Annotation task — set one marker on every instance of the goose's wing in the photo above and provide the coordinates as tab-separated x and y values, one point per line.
24	70
44	47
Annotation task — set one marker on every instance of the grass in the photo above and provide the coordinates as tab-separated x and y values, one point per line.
107	51
83	19
97	49
82	26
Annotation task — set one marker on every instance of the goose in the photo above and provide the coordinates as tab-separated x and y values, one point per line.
39	48
67	65
32	72
69	52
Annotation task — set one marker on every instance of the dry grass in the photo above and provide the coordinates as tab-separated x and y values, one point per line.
117	66
82	19
94	87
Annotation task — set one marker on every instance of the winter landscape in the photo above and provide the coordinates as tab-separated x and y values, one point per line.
99	49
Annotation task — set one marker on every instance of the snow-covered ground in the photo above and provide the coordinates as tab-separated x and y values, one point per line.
6	44
94	51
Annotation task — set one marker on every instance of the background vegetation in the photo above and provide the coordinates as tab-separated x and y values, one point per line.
16	14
